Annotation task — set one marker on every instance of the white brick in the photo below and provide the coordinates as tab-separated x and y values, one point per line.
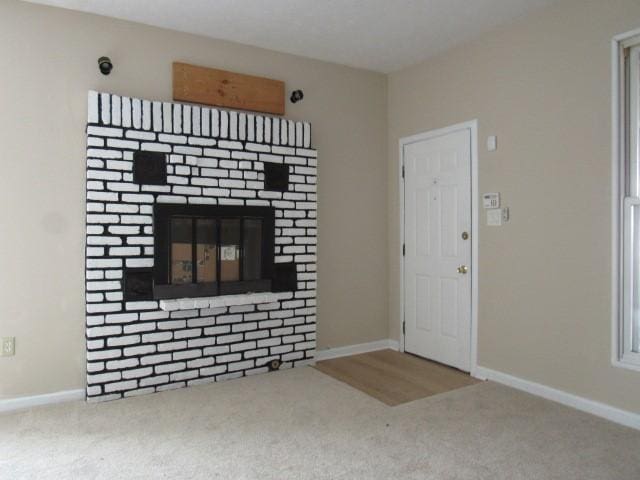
157	315
171	199
171	367
177	179
139	327
149	136
275	134
154	380
95	207
229	145
107	263
123	165
103	153
218	330
196	114
124	230
231	183
101	240
224	123
234	125
121	317
157	337
139	350
126	144
156	147
153	359
124	251
206	120
123	187
167	138
94	297
184	375
167	117
223	339
119	386
144	305
216	152
104	331
214	172
103	377
136	219
120	364
177	118
188	150
216	350
95	274
137	372
137	197
101	286
210	371
105	196
180	190
239	347
103	354
232	367
122	208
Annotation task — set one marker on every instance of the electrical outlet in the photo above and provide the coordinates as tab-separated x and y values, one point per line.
8	346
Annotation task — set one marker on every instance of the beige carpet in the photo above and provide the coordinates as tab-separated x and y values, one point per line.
302	424
395	377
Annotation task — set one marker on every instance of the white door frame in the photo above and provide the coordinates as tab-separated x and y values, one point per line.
472	126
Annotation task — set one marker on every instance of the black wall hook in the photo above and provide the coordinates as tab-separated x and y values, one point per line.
296	96
105	65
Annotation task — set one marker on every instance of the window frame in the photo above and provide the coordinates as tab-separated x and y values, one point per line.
162	215
625	119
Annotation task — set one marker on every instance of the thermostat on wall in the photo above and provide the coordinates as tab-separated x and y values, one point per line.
491	200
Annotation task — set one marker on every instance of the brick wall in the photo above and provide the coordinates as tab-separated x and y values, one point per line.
213	157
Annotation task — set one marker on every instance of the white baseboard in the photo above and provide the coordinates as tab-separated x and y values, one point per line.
355	349
603	410
20	403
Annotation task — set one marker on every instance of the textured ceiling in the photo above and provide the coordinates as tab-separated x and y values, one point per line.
379	35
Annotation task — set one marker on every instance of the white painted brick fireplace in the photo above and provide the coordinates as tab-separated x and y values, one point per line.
214	157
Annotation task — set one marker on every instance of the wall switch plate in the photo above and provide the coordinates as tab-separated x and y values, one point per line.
505	214
494	217
492	143
8	346
491	200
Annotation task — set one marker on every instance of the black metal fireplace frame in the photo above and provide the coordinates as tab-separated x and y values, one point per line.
162	214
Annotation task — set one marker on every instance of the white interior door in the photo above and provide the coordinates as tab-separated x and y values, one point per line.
437	259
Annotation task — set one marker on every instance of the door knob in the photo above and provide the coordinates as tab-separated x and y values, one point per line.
463	269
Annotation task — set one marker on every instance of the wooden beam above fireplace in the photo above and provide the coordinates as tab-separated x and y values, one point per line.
209	86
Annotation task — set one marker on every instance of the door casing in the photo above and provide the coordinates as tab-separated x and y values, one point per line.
472	126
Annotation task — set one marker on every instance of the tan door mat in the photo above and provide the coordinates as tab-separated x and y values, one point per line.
393	377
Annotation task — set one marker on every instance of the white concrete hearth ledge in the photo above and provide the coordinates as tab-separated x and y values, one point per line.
222	301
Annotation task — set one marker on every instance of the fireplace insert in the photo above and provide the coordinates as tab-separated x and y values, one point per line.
203	250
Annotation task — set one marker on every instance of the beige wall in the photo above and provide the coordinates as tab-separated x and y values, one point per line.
542	86
48	61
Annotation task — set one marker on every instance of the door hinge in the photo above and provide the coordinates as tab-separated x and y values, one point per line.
402	171
404	329
404	249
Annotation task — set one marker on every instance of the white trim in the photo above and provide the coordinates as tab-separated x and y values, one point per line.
617	415
356	349
617	162
21	403
473	127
